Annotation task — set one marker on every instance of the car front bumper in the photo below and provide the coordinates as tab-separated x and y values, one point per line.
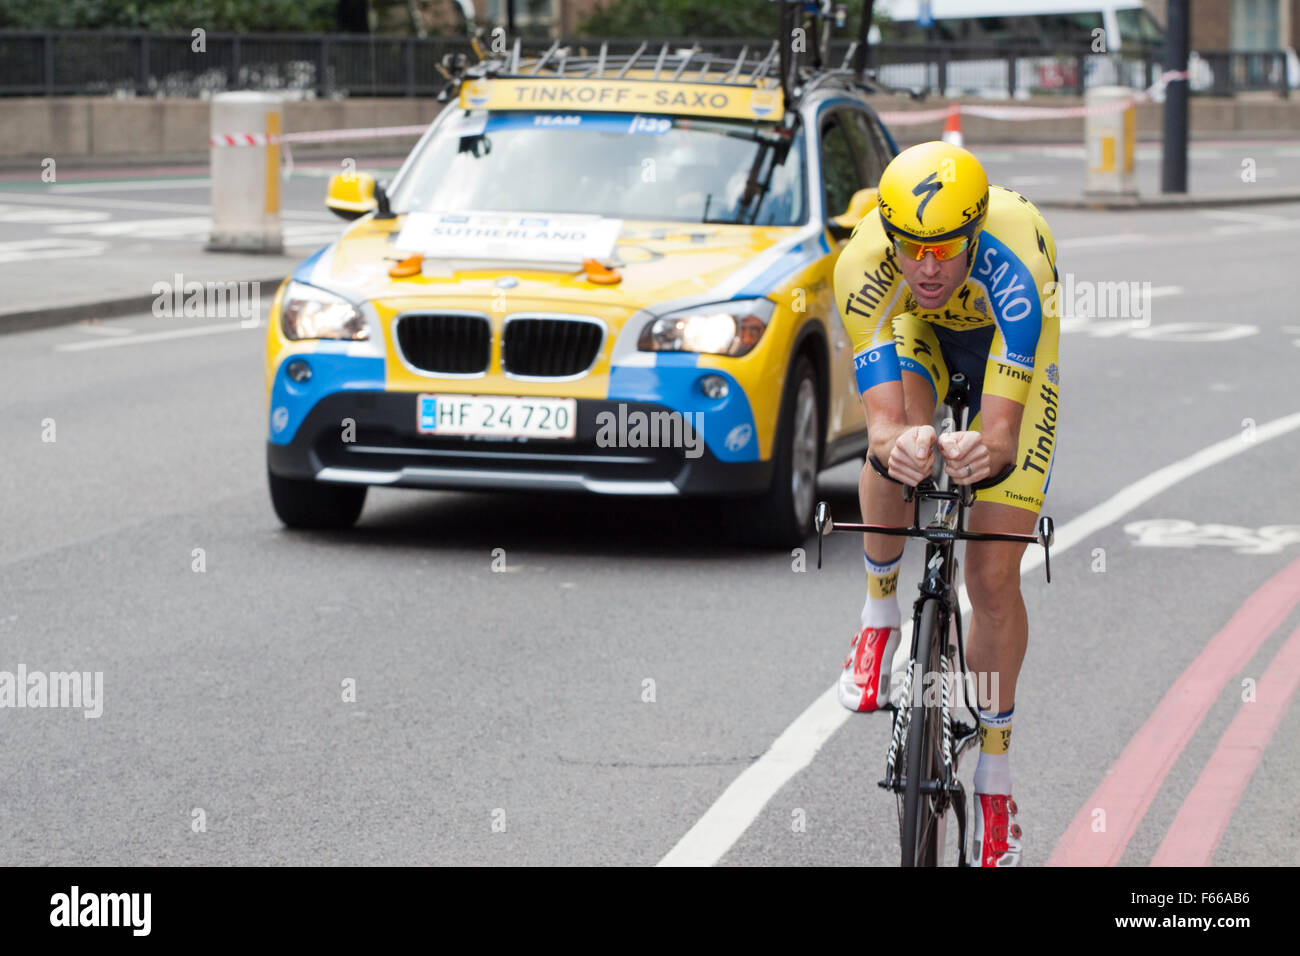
386	448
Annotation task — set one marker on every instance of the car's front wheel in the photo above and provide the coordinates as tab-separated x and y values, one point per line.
783	517
313	504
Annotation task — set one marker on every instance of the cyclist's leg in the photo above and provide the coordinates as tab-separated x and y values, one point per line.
999	632
865	678
999	629
995	649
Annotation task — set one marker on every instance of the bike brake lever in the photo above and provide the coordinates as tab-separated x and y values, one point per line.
822	519
1046	536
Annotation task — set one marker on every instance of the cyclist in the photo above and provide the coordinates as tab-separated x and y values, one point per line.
951	274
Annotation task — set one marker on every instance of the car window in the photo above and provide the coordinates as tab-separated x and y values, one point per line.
616	165
1139	29
866	146
840	176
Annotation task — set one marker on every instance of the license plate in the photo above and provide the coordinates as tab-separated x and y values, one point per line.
497	416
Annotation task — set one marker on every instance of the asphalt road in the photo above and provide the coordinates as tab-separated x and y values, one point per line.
505	716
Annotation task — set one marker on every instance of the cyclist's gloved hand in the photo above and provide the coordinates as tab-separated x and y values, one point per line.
912	459
966	457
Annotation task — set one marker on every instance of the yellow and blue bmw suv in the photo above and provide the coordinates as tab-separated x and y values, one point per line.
595	277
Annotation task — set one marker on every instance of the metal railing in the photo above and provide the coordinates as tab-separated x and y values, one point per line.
1233	71
133	63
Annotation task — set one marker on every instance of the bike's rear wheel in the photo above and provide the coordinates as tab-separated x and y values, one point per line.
920	833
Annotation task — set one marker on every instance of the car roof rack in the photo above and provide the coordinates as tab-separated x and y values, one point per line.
746	69
796	73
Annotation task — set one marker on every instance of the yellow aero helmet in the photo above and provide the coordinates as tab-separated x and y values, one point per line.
932	192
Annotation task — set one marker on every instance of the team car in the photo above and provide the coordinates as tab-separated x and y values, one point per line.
594	274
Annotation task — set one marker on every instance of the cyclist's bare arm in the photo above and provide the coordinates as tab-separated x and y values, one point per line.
906	447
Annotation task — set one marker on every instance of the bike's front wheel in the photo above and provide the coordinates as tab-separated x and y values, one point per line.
920	833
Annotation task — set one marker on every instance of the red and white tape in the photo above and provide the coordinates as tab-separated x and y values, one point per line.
898	118
241	139
316	136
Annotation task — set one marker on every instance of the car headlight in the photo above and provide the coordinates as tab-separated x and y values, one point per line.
312	313
723	328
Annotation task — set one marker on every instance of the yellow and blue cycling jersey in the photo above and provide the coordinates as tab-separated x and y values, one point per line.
1001	328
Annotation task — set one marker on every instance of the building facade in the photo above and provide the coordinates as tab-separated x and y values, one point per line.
1240	24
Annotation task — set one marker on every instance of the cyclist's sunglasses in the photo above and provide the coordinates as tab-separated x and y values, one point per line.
948	249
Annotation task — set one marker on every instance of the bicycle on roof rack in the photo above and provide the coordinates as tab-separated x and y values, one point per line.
928	739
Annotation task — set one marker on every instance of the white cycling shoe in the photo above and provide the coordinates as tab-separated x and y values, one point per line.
864	680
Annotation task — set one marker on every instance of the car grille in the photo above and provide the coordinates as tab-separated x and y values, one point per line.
447	343
549	347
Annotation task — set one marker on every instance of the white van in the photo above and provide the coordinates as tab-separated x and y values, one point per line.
1126	23
1126	27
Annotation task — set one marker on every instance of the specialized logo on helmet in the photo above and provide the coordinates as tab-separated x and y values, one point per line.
977	211
930	185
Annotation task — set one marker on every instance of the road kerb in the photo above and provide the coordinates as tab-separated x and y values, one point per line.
25	320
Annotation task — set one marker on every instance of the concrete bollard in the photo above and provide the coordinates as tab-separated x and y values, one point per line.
246	178
1110	138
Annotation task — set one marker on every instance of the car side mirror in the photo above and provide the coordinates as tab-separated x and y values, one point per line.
863	201
351	195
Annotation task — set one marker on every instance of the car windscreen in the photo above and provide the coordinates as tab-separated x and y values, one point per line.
619	166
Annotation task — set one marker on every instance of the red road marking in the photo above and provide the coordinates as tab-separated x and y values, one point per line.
1131	784
1205	813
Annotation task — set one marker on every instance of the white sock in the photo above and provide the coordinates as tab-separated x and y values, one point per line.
881	608
993	772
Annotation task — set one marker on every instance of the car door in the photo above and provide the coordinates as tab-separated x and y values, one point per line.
846	166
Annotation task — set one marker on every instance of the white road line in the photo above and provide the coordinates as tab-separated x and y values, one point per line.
1233	215
1115	239
23	250
1160	290
1281	225
44	198
740	804
153	337
96	329
1030	180
131	186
